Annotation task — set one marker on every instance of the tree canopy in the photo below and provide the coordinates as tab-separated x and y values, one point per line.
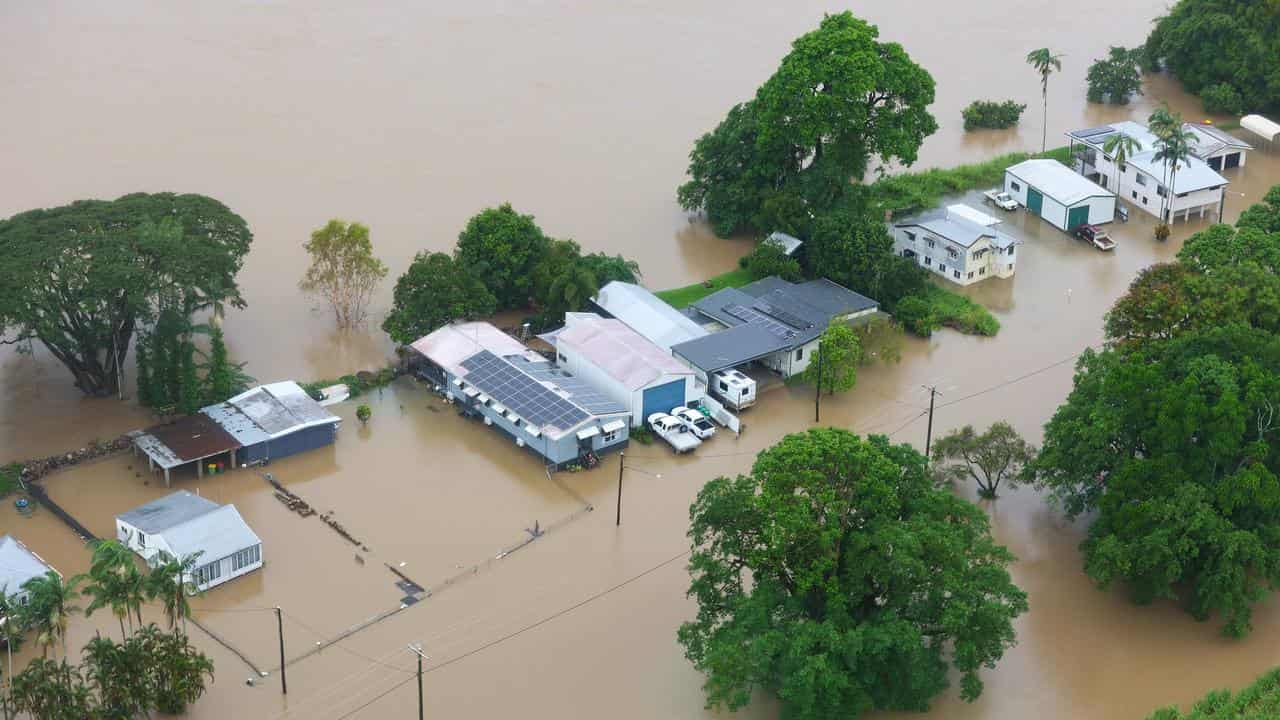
834	365
343	270
434	291
838	99
768	258
1235	43
989	458
80	278
838	578
1115	78
501	247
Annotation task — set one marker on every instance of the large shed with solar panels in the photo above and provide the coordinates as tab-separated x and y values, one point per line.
771	321
541	407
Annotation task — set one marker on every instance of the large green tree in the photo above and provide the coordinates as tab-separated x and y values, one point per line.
1222	42
834	365
851	246
839	99
836	577
81	278
500	247
988	458
1115	78
436	290
343	271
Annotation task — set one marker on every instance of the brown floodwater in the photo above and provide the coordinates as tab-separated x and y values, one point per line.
412	118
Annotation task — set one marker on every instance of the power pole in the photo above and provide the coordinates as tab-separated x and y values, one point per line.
817	395
618	521
928	435
284	685
416	649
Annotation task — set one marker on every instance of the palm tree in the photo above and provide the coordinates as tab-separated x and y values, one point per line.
50	607
109	581
1173	146
1045	62
1119	147
168	582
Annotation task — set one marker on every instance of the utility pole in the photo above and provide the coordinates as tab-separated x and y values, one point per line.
621	466
817	395
284	686
416	649
928	435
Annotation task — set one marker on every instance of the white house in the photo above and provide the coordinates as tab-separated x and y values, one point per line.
1144	181
183	524
1219	149
623	365
1059	195
17	566
959	243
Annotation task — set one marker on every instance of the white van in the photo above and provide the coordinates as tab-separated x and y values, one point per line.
736	390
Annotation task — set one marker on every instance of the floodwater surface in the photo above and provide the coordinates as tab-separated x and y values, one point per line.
411	119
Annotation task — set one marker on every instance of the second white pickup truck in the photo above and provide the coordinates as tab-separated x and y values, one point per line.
1000	199
674	431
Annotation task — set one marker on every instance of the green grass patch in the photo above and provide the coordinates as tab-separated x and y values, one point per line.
1228	125
685	296
9	476
953	310
913	192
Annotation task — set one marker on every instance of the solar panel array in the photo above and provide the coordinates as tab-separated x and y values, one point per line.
1094	131
583	394
789	318
755	317
531	400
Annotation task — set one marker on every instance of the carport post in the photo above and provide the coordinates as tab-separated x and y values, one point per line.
284	685
618	521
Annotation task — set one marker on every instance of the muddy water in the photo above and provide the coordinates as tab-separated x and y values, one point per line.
411	120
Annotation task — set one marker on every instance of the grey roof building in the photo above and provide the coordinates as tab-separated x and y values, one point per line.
772	321
182	524
17	566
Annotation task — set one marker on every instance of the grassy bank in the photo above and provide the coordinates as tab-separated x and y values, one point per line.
953	310
1259	700
912	192
684	296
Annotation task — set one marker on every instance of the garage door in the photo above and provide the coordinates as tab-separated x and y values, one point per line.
1216	162
662	398
1077	216
1233	161
1035	201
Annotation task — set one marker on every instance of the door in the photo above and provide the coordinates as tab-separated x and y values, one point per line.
1077	216
1233	161
662	398
1216	163
1035	201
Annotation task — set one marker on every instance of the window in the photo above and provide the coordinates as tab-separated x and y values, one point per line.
142	539
970	274
1135	194
942	268
1010	249
1015	187
928	261
981	271
723	387
1010	267
953	252
1160	190
208	573
930	242
246	557
979	253
1144	199
956	274
610	437
799	353
1141	179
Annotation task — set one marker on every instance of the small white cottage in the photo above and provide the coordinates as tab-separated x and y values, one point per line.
17	566
184	524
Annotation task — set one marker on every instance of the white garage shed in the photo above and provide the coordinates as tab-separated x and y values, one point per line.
1056	193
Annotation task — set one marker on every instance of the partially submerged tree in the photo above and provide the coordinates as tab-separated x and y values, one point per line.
834	365
82	277
836	577
989	459
343	270
51	605
839	99
435	291
1045	62
363	413
1115	78
500	247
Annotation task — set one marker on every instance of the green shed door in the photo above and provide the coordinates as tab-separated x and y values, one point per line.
1077	216
1035	201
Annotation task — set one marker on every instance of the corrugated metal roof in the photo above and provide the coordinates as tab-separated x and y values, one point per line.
612	346
237	424
167	512
450	345
215	534
730	348
281	408
647	314
18	565
1193	173
187	438
1211	141
788	243
1057	181
1261	126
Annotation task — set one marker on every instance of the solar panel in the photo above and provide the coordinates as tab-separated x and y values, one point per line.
530	399
755	317
789	318
1090	132
582	393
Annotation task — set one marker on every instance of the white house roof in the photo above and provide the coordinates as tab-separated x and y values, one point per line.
1193	173
1260	126
1210	141
959	227
1057	181
788	243
647	314
450	345
189	524
18	565
169	511
618	350
215	535
281	408
972	215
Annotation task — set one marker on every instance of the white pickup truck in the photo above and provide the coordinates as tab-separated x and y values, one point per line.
674	431
1000	199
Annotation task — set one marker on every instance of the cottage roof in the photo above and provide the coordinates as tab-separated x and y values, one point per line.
1210	141
188	438
612	346
18	565
281	408
959	227
215	535
1057	181
647	314
167	512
